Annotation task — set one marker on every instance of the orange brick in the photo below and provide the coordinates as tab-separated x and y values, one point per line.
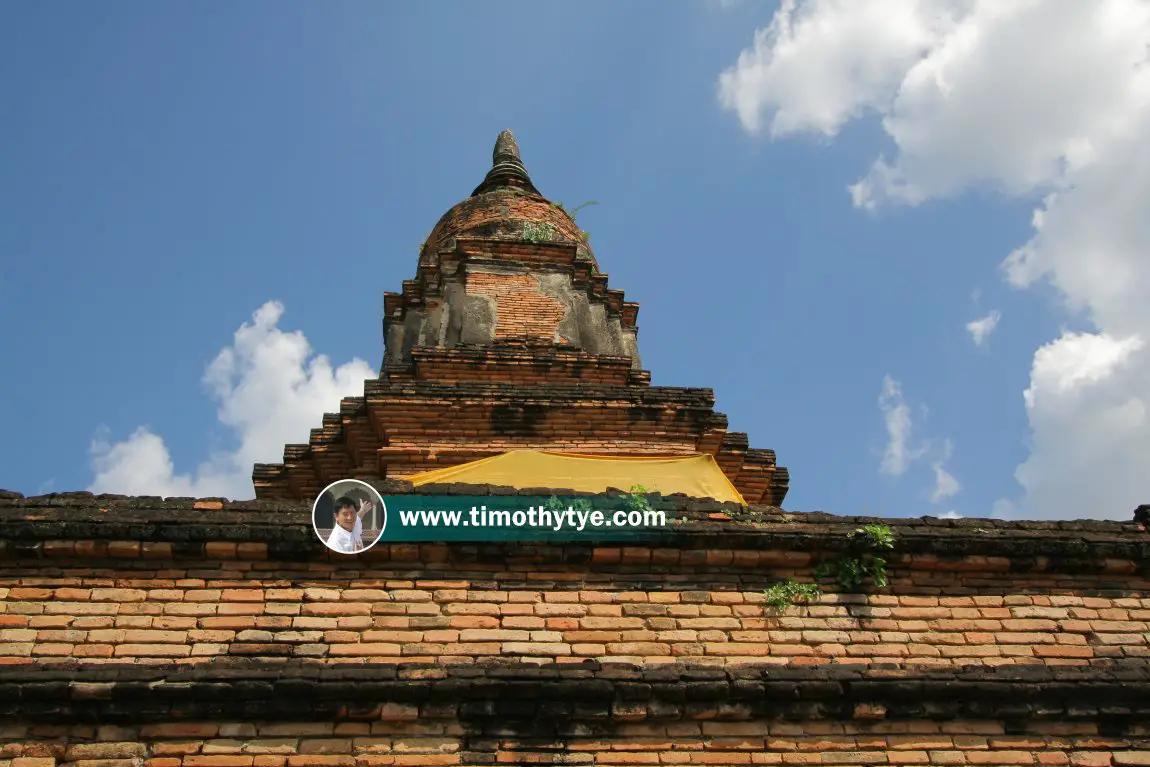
1063	651
118	595
252	551
123	548
181	748
1096	759
219	550
999	757
156	550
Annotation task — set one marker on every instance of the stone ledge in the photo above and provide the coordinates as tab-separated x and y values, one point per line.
1117	694
82	524
1140	518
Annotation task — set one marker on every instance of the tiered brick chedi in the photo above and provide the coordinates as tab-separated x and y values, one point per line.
510	338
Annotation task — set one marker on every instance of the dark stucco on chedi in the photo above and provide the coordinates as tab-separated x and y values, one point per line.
509	337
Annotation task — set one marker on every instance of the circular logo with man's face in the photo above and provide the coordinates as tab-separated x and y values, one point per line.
349	516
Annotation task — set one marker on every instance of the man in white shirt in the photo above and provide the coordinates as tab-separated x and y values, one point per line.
347	535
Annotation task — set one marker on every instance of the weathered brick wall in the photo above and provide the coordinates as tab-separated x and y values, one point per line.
521	308
141	631
380	614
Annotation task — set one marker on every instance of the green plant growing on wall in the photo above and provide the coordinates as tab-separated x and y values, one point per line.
636	499
538	232
786	593
862	566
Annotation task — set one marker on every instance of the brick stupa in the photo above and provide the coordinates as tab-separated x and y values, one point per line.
509	338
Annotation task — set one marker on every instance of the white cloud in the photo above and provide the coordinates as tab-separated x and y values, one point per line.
951	514
1032	98
899	453
271	391
945	485
820	64
981	328
904	449
1087	404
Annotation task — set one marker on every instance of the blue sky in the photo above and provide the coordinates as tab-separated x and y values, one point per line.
167	169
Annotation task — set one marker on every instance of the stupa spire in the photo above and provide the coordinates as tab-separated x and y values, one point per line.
507	169
506	148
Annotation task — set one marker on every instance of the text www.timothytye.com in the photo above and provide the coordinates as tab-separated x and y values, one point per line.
534	517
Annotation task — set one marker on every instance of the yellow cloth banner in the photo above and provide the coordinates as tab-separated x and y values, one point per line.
697	476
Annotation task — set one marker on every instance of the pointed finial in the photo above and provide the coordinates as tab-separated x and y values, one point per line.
505	148
507	168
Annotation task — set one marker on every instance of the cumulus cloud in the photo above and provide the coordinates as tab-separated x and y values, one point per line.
270	390
1036	99
1087	404
981	328
818	65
